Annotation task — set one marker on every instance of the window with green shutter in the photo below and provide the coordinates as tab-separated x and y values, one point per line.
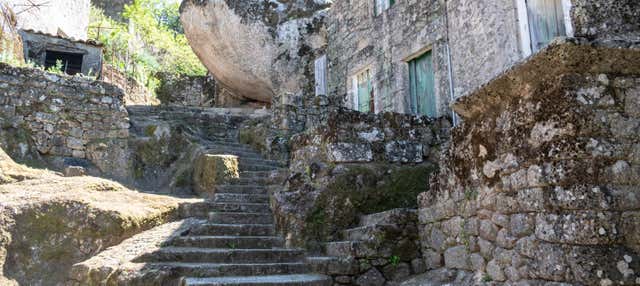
546	22
422	81
382	5
363	92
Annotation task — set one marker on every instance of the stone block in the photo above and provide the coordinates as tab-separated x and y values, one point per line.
495	271
458	258
349	153
583	227
210	170
521	225
403	152
373	277
396	272
74	171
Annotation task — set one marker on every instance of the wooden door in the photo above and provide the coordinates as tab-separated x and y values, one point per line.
546	22
422	80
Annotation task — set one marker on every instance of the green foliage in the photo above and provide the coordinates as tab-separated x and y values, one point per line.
394	260
57	69
150	43
487	278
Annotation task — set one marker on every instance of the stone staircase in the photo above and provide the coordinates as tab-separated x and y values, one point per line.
235	243
384	248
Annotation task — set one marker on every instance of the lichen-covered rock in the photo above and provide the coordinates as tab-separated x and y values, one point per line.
49	222
257	48
211	170
540	162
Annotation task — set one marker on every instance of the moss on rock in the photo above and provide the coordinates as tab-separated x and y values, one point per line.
362	190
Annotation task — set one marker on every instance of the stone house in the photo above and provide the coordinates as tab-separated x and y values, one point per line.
76	56
415	56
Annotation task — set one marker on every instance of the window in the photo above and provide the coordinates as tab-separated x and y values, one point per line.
382	5
363	92
422	81
71	63
541	21
321	75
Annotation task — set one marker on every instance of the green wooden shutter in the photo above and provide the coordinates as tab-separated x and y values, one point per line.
365	90
546	22
422	81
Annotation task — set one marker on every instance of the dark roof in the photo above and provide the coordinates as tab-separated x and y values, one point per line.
90	42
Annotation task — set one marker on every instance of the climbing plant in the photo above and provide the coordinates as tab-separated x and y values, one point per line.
150	40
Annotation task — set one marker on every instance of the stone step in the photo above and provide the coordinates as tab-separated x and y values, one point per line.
274	280
241	189
202	209
257	168
240	218
241	154
254	161
370	232
221	270
394	216
242	207
233	242
256	174
214	255
233	229
241	198
347	249
251	181
233	150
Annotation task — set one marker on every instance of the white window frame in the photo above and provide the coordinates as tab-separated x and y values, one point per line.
523	24
320	66
354	87
379	6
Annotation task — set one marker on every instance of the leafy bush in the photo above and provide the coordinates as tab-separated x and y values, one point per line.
152	41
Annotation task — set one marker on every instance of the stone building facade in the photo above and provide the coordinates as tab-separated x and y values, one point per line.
461	45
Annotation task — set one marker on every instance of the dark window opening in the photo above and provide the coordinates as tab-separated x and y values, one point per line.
71	63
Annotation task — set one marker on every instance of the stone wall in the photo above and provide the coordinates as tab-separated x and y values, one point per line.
69	16
607	20
199	91
540	183
484	41
134	92
356	164
384	43
69	118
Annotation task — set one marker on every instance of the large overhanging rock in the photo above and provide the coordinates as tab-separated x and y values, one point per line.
257	48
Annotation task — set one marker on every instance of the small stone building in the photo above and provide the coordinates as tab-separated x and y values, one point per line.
415	56
76	56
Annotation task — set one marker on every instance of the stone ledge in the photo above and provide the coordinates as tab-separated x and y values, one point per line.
569	56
